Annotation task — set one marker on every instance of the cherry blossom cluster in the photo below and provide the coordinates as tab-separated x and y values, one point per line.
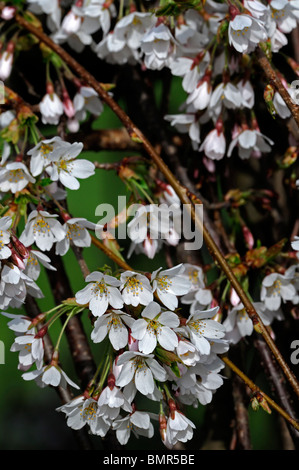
158	354
208	47
152	352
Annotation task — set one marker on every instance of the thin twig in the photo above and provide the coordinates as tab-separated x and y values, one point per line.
255	389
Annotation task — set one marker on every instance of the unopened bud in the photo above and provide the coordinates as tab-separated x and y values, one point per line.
21	249
269	93
254	404
111	381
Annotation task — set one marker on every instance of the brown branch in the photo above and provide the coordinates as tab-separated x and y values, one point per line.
137	135
277	383
256	390
105	139
241	411
276	83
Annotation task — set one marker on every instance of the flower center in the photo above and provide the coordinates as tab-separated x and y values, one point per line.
100	289
74	230
275	288
41	226
133	285
45	150
15	175
90	411
198	326
164	283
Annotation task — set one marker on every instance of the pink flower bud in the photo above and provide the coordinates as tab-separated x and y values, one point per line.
248	237
68	105
8	13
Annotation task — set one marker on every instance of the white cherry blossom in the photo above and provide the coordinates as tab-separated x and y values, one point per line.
202	329
5	225
138	423
135	288
155	327
33	262
169	283
245	32
179	428
76	233
141	368
43	229
31	350
100	292
250	142
51	375
14	177
66	168
115	324
277	288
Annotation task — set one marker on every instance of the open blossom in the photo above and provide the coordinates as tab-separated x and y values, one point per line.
138	423
250	142
33	262
285	14
115	324
14	177
100	292
41	154
140	368
157	45
191	69
50	375
76	233
66	168
245	32
112	400
238	324
18	323
200	97
226	95
83	411
43	229
186	123
169	283
277	288
51	107
179	428
132	28
202	329
155	327
87	100
187	352
31	350
5	224
135	288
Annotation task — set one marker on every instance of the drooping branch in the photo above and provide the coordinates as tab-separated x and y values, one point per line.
181	191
